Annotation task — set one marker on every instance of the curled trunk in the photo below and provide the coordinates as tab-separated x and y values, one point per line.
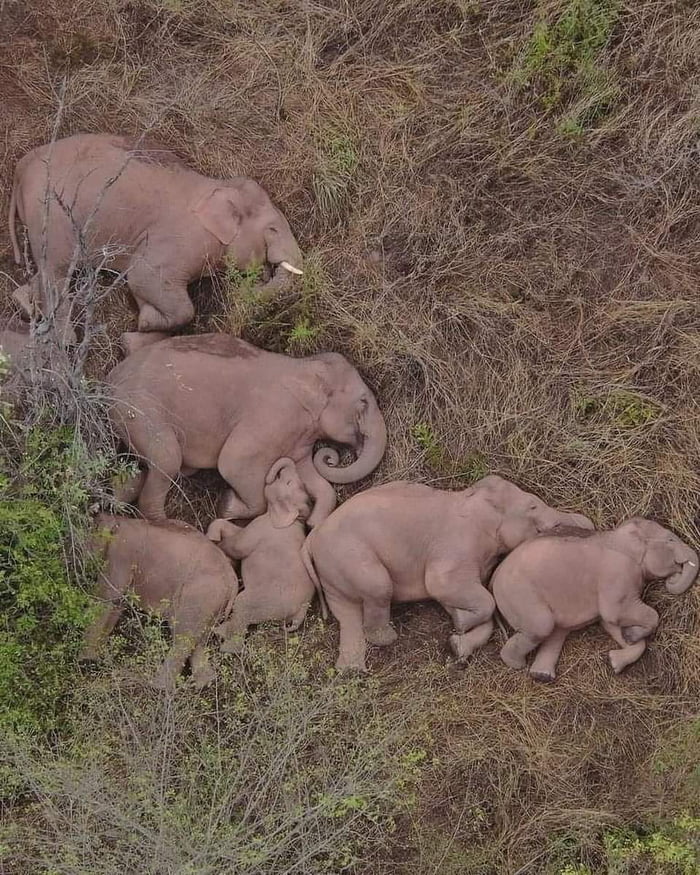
370	455
678	583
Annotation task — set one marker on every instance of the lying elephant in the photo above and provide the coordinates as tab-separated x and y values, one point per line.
405	542
214	401
118	204
176	572
276	583
553	585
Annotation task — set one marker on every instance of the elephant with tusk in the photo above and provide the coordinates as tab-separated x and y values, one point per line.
553	585
123	205
214	401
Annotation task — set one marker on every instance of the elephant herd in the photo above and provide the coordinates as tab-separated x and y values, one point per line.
185	403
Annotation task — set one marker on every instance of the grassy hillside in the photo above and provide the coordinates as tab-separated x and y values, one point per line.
499	205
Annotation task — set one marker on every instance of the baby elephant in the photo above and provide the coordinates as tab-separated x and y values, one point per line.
177	573
276	583
554	584
403	542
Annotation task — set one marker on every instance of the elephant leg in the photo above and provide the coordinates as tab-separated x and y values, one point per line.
233	631
98	632
240	467
352	648
376	609
517	647
163	467
129	490
637	622
166	678
164	303
295	622
544	666
628	653
470	605
203	672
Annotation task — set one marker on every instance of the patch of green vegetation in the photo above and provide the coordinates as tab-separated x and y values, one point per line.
618	407
44	493
562	63
243	283
468	468
303	337
335	169
672	847
284	761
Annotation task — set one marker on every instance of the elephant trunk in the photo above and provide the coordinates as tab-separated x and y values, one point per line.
679	582
370	455
285	258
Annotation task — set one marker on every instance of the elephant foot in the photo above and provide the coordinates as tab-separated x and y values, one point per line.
382	636
618	660
203	676
234	644
461	645
512	660
350	664
543	677
633	634
88	658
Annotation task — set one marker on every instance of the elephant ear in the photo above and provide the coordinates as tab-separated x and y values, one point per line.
218	212
312	391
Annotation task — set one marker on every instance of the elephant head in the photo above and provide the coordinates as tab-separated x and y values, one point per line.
287	499
244	219
663	555
523	515
351	416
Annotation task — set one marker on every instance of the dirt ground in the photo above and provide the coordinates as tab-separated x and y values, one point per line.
500	210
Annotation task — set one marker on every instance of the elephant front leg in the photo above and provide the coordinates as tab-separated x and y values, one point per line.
637	621
628	653
98	632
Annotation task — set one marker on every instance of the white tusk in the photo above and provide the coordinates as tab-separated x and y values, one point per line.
692	564
287	266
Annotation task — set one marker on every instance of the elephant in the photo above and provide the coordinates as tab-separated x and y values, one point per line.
122	204
215	401
555	584
405	542
276	583
176	572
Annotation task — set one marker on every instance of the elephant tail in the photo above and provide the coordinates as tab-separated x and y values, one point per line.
11	225
308	561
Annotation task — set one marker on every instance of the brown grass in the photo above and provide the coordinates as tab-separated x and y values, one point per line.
529	295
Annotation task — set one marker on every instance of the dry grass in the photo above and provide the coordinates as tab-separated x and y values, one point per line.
511	259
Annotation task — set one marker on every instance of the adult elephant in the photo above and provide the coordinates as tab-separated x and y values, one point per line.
214	401
122	204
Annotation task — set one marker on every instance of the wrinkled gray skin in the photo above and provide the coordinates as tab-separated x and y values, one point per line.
552	585
214	401
177	573
139	210
276	583
405	542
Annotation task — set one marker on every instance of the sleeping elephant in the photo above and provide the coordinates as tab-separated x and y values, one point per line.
175	572
553	585
214	401
122	205
404	542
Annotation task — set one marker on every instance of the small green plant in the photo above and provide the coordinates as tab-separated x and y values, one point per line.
619	407
302	336
334	173
561	63
468	468
673	847
243	283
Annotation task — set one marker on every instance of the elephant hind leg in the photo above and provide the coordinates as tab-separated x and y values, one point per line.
203	672
351	653
548	653
628	653
517	647
376	609
471	607
166	678
164	462
98	632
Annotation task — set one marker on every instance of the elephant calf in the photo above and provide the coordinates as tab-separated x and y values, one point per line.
405	542
121	204
177	573
276	583
552	585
